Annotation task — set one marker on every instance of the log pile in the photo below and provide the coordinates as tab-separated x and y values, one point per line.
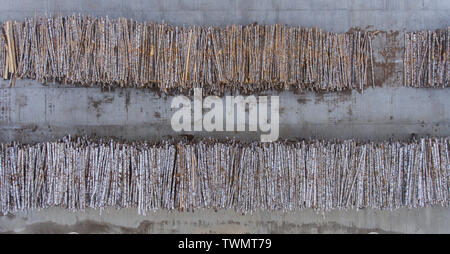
426	58
89	51
80	173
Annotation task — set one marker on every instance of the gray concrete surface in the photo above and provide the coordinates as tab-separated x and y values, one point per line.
57	220
334	15
31	112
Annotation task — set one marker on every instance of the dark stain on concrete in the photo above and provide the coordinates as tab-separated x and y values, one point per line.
319	97
28	128
321	228
230	222
384	68
97	103
21	100
145	227
349	110
82	227
332	99
127	99
303	100
10	216
157	115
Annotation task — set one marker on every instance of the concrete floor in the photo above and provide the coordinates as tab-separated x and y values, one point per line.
35	113
31	112
57	220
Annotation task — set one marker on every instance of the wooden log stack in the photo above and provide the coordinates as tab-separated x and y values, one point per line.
89	51
426	58
80	173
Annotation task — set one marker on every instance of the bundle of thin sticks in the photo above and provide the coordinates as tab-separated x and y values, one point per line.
80	173
426	58
86	51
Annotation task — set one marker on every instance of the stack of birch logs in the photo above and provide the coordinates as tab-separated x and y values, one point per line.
426	58
91	51
80	173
